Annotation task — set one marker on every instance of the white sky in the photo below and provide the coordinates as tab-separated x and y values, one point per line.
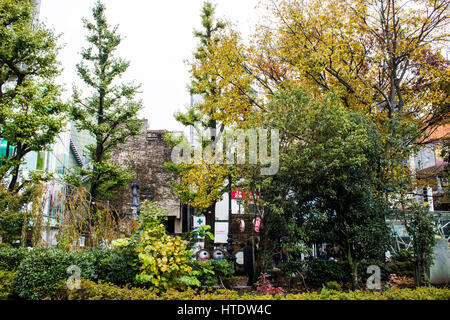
158	39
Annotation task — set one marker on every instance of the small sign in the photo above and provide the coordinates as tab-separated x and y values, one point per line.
221	232
198	221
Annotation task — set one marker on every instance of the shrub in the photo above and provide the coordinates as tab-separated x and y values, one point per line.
293	267
10	258
114	266
41	271
422	293
402	255
333	285
103	291
90	290
321	271
264	287
402	263
212	272
117	267
7	279
402	268
163	260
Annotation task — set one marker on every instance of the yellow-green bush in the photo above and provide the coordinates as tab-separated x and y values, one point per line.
422	293
7	280
163	260
90	290
102	291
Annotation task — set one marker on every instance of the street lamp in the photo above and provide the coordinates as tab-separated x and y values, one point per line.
135	203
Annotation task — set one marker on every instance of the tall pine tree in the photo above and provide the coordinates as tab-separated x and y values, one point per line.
110	113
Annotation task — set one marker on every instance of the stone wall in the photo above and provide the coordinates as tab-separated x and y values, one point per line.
146	154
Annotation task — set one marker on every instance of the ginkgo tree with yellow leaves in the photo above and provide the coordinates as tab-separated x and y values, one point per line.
202	184
380	59
383	58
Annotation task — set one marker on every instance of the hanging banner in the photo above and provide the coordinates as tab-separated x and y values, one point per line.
257	222
242	226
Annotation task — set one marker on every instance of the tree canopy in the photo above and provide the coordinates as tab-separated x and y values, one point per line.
109	113
31	111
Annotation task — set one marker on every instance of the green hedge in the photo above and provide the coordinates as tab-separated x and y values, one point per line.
90	290
422	293
212	272
320	271
402	268
115	266
10	258
43	269
7	284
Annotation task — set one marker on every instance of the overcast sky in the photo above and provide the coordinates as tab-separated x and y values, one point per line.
158	39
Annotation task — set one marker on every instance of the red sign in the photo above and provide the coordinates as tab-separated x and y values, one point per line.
237	195
243	195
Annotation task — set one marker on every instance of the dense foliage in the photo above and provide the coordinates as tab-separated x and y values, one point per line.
103	291
40	272
7	281
10	258
211	272
421	226
32	113
163	260
327	189
109	114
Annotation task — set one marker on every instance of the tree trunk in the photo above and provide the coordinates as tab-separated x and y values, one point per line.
354	268
210	221
15	173
355	276
211	213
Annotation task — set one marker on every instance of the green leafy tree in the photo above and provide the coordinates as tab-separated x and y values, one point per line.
326	188
110	113
421	226
31	111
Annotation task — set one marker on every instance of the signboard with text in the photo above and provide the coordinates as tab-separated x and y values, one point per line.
239	194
